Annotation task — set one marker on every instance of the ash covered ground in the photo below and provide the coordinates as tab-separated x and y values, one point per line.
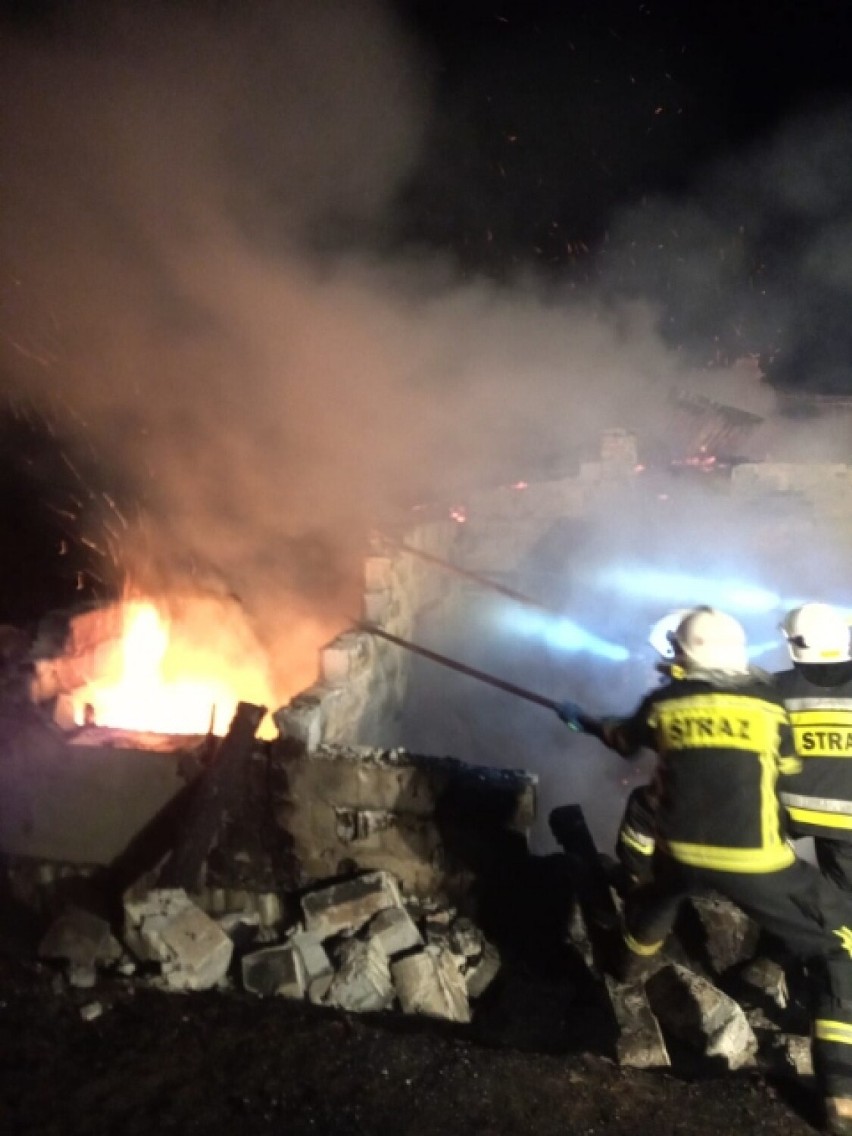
538	1057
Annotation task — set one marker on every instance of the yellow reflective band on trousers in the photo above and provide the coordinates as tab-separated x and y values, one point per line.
822	733
838	1032
644	949
747	860
639	842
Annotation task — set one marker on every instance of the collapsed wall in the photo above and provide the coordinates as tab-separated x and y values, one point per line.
337	790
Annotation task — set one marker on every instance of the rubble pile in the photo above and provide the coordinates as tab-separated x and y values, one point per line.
717	997
357	947
712	994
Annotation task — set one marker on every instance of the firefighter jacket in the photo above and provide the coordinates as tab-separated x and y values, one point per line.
818	697
724	748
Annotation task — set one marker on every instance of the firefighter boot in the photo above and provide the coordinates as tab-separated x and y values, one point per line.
631	965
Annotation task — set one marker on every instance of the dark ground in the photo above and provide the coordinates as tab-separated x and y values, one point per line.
537	1059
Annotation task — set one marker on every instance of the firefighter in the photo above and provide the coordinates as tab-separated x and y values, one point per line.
725	747
634	842
817	691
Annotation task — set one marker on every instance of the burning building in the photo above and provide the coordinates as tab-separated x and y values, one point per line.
140	693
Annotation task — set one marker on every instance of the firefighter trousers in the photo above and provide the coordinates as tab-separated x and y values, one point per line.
635	842
835	860
798	905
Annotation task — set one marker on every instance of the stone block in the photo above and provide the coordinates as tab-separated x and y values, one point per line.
378	573
315	963
731	936
465	938
377	606
791	1055
431	983
81	939
81	977
702	1016
348	905
302	718
769	977
640	1042
166	926
344	657
362	983
395	930
277	970
480	976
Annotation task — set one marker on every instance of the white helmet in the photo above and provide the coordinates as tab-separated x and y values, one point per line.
817	633
661	636
707	639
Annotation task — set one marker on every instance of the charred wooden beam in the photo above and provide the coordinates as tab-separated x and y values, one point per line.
568	825
213	793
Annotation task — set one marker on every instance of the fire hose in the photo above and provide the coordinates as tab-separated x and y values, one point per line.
584	721
465	574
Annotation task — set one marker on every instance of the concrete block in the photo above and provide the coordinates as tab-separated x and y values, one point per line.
363	981
431	983
274	970
302	718
378	573
731	936
395	930
707	1020
80	938
315	962
640	1042
81	977
344	657
465	938
480	976
347	906
166	926
792	1055
377	606
769	977
91	1011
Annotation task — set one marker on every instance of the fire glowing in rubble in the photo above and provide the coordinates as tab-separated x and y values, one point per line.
156	681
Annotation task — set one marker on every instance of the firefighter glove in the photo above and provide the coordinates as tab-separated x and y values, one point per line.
571	714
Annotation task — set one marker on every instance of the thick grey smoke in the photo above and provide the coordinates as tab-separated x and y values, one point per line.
176	180
190	197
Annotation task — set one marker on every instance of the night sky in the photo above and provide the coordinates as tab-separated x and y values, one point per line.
509	158
551	115
553	118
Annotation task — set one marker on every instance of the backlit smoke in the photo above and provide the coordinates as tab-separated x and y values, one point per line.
197	283
561	633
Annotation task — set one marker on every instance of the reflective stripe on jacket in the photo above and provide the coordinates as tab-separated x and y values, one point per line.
819	702
721	752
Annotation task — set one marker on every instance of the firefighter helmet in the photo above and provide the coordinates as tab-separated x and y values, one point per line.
817	633
707	639
661	636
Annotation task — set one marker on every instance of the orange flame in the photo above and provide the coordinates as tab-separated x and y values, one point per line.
165	678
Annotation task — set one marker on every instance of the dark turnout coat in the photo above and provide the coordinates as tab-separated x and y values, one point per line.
818	698
724	752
